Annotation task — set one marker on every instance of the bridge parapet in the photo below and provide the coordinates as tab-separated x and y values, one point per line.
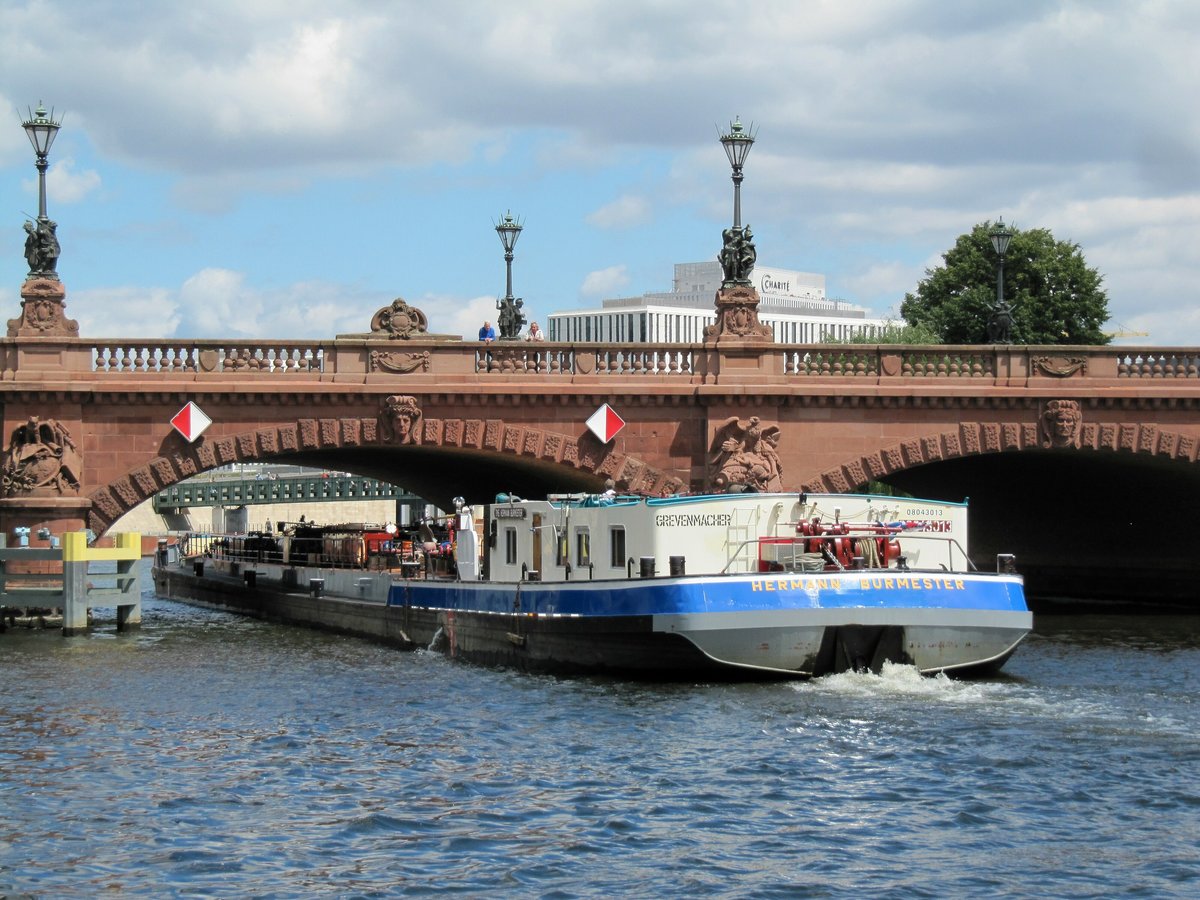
50	360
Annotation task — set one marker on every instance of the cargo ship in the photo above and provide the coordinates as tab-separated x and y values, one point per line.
747	585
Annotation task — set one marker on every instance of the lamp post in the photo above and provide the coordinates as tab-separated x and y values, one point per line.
42	129
737	143
1000	323
41	243
737	254
737	301
510	317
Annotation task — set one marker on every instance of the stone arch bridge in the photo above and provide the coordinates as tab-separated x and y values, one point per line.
1037	435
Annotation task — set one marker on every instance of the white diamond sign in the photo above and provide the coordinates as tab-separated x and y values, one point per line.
191	421
604	423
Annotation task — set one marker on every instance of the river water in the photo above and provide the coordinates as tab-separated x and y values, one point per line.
211	756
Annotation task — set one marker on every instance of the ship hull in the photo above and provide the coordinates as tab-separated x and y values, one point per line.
742	626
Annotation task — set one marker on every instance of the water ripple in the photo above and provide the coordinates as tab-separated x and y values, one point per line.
211	756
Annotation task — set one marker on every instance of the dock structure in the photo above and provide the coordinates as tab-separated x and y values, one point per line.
38	581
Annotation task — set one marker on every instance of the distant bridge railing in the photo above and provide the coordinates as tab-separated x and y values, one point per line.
362	360
253	492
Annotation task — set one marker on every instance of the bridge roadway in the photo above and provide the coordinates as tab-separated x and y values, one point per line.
1073	456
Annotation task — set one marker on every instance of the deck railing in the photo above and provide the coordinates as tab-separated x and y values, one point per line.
367	361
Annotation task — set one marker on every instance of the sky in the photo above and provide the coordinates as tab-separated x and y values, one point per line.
273	169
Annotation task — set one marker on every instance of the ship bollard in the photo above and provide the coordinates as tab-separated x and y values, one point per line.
198	568
316	586
678	565
647	566
1006	563
250	577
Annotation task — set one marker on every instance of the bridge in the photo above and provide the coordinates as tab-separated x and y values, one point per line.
1074	457
288	489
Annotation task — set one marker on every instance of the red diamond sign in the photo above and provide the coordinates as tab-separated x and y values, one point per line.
191	421
604	423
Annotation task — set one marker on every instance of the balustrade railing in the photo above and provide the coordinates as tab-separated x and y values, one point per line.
348	359
927	363
586	359
1158	364
146	358
830	361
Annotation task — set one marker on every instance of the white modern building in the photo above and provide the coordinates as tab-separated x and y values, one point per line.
792	303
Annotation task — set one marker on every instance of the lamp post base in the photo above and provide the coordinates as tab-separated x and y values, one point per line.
737	317
43	311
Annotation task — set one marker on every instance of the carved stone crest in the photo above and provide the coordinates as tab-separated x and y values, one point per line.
43	311
745	456
1060	423
399	418
1060	367
399	320
41	459
399	363
737	316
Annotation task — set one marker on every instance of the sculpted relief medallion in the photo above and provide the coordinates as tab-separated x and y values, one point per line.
41	459
745	456
400	320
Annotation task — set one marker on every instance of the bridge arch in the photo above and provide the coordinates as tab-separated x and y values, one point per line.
308	439
977	438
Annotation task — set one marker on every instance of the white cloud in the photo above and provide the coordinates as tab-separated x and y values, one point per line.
65	185
627	211
605	282
456	316
125	312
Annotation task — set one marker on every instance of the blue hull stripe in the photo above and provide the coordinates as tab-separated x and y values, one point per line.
738	593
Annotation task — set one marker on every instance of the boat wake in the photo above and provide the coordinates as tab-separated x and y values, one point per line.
897	680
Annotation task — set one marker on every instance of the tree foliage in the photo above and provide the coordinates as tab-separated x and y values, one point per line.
1056	297
892	332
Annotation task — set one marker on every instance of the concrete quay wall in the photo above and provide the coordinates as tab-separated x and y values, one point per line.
144	520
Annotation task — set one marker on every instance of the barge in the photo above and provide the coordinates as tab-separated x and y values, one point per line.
724	585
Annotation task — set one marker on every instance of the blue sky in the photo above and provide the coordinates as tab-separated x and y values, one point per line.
284	169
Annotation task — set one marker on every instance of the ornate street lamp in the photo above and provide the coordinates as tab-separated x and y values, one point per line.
999	326
42	129
737	301
41	242
738	254
737	143
43	295
511	319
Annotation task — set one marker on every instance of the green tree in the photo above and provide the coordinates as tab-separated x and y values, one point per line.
892	332
1056	297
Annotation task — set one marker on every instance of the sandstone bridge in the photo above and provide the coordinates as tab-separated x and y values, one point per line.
1081	460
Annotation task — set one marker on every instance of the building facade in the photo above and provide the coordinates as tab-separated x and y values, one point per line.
793	304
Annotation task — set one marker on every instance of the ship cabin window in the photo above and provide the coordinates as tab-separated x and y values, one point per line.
583	547
616	546
562	553
510	546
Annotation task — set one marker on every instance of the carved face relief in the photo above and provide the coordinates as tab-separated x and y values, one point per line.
1060	423
399	417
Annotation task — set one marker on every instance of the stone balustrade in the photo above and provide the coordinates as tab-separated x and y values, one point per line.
370	361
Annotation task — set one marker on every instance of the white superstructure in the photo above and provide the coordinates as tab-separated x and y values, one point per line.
792	303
